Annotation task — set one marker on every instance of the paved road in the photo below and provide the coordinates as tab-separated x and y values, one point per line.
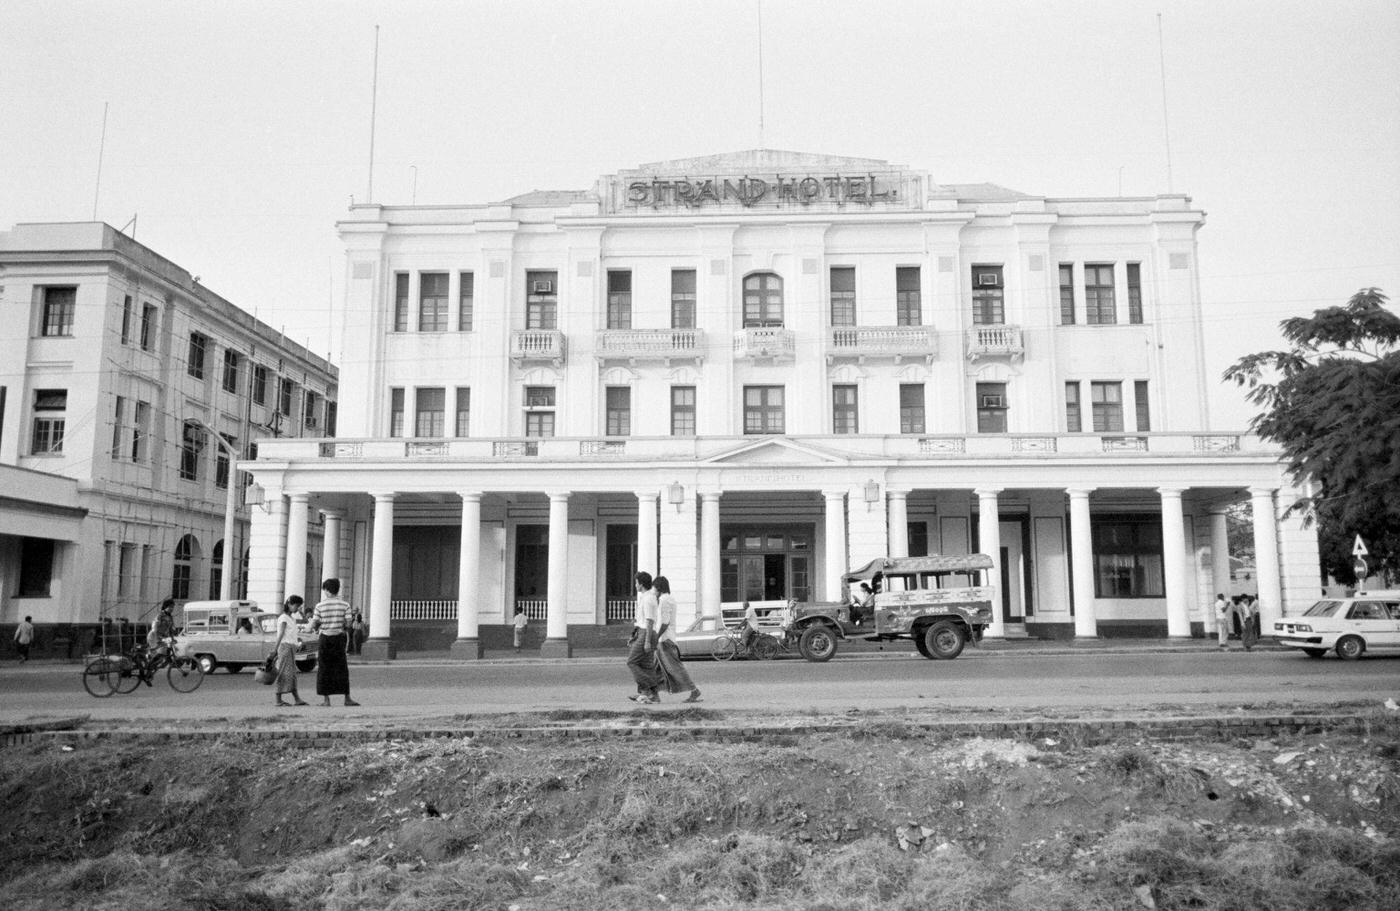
1005	685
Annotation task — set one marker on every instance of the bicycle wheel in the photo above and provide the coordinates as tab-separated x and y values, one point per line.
100	676
765	647
724	648
185	675
128	675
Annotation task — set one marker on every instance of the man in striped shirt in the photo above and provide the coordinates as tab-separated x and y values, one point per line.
331	619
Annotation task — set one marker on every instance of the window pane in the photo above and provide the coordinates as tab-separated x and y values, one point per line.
763	301
1067	294
1134	292
59	305
682	298
1144	419
843	409
466	301
432	302
464	411
988	304
401	302
1073	419
843	296
1099	305
619	300
911	408
619	411
431	405
991	408
908	300
682	411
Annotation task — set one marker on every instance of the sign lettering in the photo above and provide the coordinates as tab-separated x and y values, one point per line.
748	191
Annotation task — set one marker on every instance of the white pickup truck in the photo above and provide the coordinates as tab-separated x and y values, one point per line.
235	635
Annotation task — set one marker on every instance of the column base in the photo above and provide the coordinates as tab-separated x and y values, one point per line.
382	649
556	648
465	649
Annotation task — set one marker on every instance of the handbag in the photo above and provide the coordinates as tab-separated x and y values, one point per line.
267	673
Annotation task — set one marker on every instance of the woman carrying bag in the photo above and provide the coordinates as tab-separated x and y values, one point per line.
668	655
286	650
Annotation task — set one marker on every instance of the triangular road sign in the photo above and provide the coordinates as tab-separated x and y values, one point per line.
1360	549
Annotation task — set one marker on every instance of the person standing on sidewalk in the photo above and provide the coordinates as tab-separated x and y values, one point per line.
641	647
1249	629
1222	618
668	654
24	637
520	621
285	648
330	619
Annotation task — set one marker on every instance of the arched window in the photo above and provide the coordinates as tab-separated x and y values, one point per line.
763	301
186	552
216	571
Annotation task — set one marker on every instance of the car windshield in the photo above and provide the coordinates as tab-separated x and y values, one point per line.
1322	609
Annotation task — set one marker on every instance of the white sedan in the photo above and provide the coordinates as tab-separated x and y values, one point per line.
1352	626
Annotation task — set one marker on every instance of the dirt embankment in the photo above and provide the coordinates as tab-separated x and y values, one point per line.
881	816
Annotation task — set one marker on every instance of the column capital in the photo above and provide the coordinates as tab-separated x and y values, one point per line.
898	493
985	493
383	495
332	513
644	494
470	495
1259	493
711	495
833	494
1076	493
1171	492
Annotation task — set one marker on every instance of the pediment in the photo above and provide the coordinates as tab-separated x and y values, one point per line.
776	452
766	160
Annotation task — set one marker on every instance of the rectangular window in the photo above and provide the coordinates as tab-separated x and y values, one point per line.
49	419
619	300
1106	400
195	363
1134	292
59	306
763	409
1074	419
126	570
141	432
126	319
36	557
259	384
1128	557
682	411
395	412
191	445
431	406
464	411
911	408
991	408
230	370
432	301
843	296
1100	308
908	300
330	419
619	411
308	410
539	411
466	301
1066	294
118	428
988	299
148	327
1144	416
401	302
682	298
221	462
844	418
285	395
541	301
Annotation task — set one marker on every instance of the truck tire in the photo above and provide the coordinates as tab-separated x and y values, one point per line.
944	640
818	643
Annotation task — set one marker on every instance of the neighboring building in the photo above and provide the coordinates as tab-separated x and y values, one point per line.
750	372
116	367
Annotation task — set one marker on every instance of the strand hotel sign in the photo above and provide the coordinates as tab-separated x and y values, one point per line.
689	192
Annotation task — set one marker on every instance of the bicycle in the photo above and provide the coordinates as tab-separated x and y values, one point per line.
731	645
124	673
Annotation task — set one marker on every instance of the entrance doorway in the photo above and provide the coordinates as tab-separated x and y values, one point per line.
766	564
1014	601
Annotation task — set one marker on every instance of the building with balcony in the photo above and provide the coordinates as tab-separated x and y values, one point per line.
750	372
128	394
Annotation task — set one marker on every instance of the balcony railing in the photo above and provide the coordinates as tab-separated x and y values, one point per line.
897	342
650	345
995	341
764	343
537	345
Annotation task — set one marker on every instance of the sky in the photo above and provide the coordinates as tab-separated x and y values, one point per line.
237	133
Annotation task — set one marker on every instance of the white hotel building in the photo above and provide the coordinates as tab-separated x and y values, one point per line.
749	372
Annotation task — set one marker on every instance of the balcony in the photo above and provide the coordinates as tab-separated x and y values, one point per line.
537	345
664	345
995	341
894	342
765	344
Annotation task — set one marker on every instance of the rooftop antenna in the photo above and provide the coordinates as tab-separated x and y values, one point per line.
1166	131
373	96
101	147
760	75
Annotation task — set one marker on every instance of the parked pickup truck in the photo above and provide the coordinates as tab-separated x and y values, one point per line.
234	635
940	602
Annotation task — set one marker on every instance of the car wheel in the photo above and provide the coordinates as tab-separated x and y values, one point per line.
922	647
724	648
207	664
307	666
1314	652
765	647
818	643
1349	648
944	640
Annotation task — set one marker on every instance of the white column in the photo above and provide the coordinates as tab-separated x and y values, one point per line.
1174	563
330	547
1219	564
989	543
678	560
1266	561
556	643
468	578
296	546
899	522
647	556
835	543
266	549
1081	538
709	553
380	643
233	554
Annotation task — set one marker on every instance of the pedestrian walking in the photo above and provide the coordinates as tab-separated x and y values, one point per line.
668	654
1249	622
1222	618
285	648
521	619
641	647
330	619
24	637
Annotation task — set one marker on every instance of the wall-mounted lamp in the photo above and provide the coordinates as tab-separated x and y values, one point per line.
675	494
872	494
254	495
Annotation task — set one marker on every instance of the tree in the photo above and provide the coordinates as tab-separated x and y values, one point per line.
1332	401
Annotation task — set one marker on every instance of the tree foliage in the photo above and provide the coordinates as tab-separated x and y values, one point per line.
1332	401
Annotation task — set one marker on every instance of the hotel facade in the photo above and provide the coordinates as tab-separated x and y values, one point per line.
751	372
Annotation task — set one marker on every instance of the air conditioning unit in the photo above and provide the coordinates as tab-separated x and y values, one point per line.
985	279
542	287
992	401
